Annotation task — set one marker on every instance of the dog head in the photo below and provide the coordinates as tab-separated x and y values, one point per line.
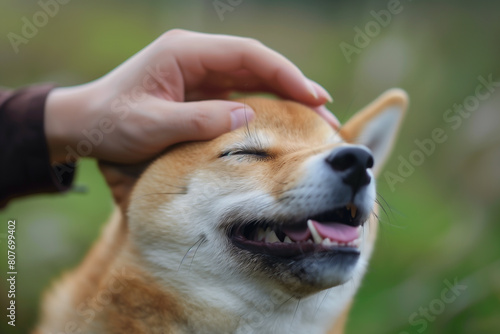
286	202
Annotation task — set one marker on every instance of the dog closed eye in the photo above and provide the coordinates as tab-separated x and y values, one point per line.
257	153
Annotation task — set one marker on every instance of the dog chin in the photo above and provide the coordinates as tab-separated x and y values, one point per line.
324	271
303	275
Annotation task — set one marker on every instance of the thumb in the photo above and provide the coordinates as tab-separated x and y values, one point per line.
204	120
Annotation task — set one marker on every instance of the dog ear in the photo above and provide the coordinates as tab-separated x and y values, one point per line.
121	180
377	125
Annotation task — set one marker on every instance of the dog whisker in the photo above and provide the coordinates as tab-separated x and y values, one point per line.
151	194
390	207
388	211
203	239
189	250
375	215
384	205
321	302
284	302
295	312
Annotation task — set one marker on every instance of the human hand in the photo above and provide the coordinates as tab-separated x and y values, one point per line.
169	92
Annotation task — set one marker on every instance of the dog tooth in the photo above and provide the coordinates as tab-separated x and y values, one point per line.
261	234
272	237
326	242
309	241
317	238
288	240
334	243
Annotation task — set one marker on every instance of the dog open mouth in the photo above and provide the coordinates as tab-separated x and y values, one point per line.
338	230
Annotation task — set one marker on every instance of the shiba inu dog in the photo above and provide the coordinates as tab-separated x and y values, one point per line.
266	229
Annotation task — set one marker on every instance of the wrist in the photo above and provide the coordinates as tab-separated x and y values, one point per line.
67	112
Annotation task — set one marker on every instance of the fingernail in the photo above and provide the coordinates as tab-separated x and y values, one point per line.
311	90
329	98
322	91
241	116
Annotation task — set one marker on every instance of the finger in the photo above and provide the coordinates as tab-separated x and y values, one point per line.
328	116
321	91
207	94
217	86
204	120
225	54
214	90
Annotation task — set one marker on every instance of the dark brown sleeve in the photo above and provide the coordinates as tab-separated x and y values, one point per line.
24	157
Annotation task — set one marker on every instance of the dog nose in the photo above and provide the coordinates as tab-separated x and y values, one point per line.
351	164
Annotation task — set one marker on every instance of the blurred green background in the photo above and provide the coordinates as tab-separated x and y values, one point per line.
442	221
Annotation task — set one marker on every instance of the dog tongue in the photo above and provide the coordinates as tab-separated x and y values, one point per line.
298	235
333	231
336	231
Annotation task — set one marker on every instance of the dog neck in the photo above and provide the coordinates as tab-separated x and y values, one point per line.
237	308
